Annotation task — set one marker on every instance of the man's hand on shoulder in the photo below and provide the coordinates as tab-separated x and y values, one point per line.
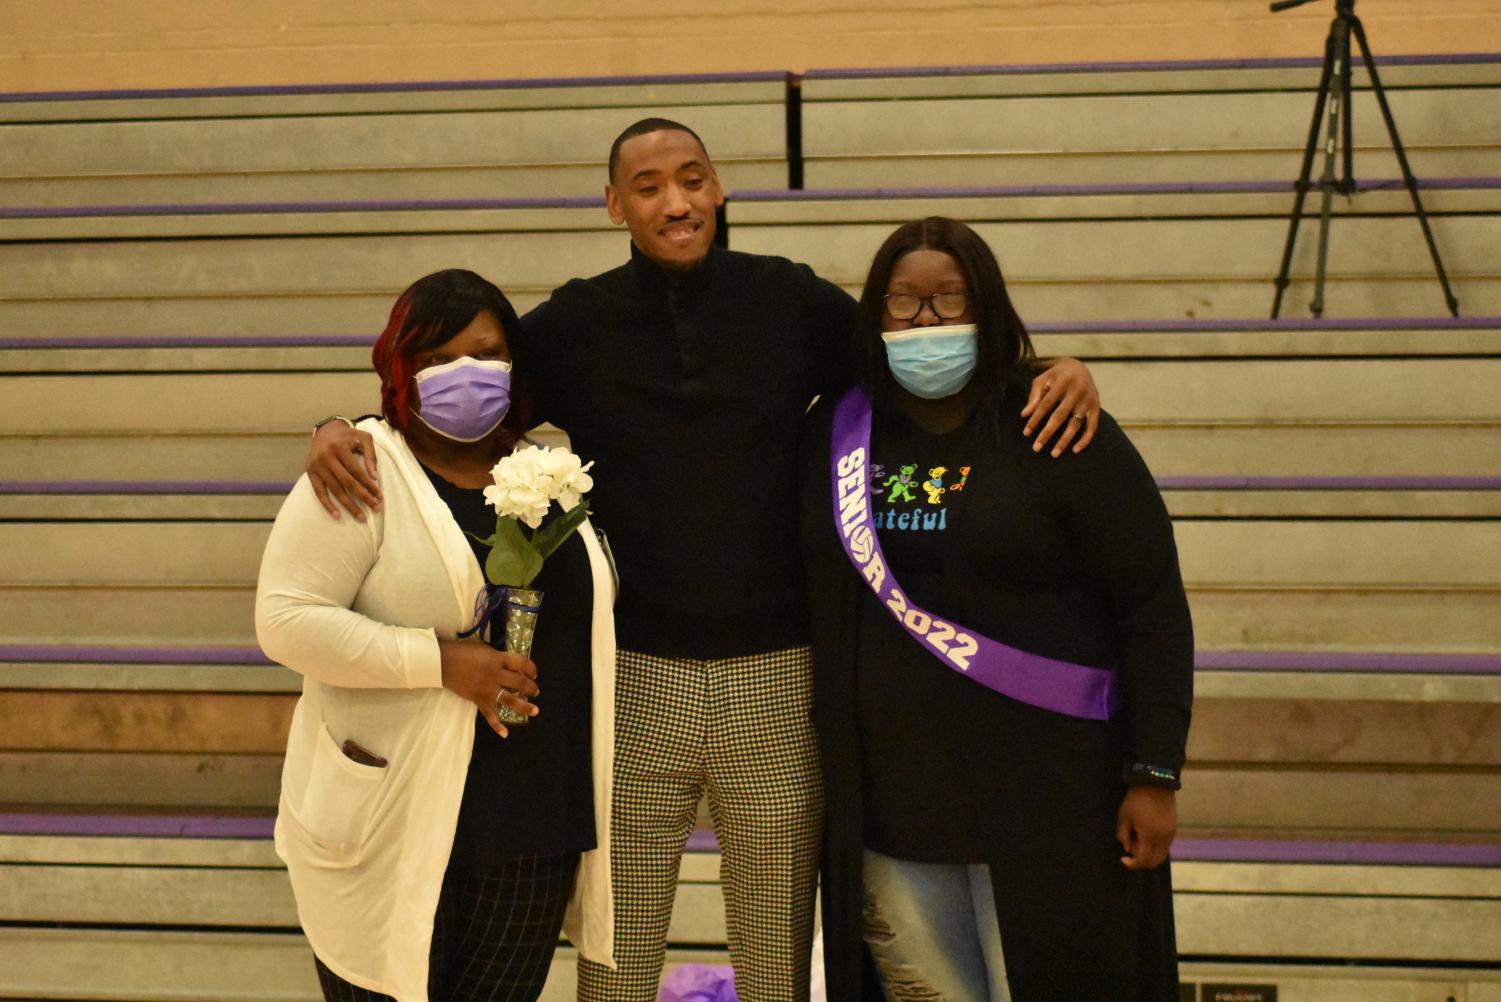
1065	403
341	467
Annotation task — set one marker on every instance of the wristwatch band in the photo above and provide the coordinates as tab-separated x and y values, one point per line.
1146	774
332	417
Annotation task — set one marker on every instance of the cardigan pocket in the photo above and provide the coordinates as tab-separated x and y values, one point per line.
336	805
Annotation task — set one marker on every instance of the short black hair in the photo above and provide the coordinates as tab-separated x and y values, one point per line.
1004	348
645	127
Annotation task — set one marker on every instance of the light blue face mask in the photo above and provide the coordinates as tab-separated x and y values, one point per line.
932	362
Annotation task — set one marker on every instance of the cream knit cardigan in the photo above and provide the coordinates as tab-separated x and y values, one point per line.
358	610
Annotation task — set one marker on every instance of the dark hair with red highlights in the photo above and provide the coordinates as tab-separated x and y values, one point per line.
1004	348
430	313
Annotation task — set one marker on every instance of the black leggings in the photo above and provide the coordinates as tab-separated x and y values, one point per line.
493	935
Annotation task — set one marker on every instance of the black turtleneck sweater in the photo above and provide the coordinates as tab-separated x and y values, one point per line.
687	391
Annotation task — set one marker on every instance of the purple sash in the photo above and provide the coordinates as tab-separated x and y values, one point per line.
1075	690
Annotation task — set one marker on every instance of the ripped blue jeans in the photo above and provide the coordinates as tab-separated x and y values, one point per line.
932	930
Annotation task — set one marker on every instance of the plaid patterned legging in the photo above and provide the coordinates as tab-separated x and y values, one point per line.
740	729
494	934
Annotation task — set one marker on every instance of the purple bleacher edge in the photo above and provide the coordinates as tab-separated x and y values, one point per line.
420	86
109	654
1208	660
1187	849
1290	324
1292	62
753	195
132	488
430	86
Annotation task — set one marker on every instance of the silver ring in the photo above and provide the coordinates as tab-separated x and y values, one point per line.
504	712
1077	417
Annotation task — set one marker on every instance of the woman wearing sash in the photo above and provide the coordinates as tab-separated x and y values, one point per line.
1002	661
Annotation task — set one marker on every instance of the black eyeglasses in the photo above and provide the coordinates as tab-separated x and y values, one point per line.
945	305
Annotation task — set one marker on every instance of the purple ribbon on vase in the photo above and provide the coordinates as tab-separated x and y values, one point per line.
1060	686
491	600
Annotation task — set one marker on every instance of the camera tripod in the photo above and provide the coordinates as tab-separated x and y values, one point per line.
1334	95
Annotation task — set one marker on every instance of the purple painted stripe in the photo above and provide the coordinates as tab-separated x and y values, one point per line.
103	654
761	195
1180	483
1436	324
132	487
296	208
420	86
430	86
1349	661
1458	59
1207	660
702	840
754	195
1232	850
193	341
138	825
1327	483
1184	849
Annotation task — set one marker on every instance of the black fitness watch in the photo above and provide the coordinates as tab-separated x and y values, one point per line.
1146	774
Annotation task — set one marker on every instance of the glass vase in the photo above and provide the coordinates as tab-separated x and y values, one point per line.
517	629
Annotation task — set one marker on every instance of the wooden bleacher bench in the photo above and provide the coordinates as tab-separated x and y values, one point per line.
1272	577
460	139
1111	258
1405	741
319	272
162	907
1070	253
1104	123
165	907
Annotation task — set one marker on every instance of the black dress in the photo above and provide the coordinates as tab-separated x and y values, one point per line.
1070	558
533	793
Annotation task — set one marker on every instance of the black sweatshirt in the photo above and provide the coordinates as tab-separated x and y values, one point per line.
1071	558
687	391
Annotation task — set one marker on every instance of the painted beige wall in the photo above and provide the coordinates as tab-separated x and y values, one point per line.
87	44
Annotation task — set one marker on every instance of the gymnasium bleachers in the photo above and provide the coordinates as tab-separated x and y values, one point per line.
369	142
188	281
1102	124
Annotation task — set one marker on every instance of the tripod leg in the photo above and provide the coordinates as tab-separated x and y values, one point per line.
1407	175
1347	139
1340	33
1301	187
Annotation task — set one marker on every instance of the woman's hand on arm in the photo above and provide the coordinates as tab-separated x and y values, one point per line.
1145	826
484	676
341	467
1063	402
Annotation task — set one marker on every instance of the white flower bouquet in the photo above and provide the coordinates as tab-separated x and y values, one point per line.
527	483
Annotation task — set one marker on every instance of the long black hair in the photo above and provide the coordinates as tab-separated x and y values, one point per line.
1004	348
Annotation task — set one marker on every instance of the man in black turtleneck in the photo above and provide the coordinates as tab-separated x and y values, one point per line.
684	375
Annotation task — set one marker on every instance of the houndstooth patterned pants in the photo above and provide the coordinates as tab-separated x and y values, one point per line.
739	729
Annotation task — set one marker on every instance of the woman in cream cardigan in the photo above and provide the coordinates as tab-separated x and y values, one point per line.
432	850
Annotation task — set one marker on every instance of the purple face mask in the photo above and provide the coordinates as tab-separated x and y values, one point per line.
465	399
